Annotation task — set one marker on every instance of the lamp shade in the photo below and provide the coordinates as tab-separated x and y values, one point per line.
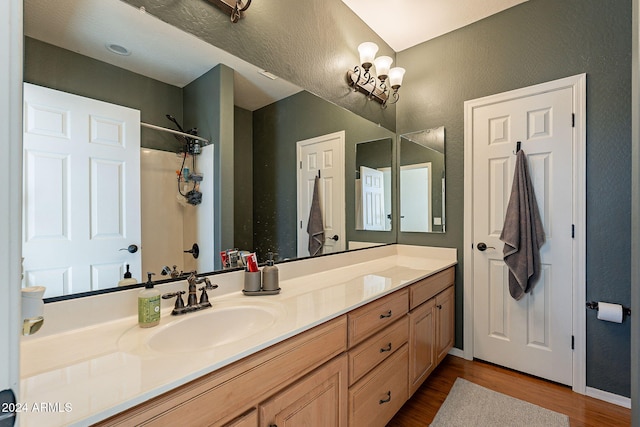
383	63
367	52
395	77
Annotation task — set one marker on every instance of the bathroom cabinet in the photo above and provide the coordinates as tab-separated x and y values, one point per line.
431	325
357	369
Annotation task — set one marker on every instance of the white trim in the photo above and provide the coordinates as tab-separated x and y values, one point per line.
11	195
456	352
578	85
340	136
616	399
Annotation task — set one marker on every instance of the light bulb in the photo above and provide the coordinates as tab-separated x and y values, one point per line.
395	77
383	63
367	52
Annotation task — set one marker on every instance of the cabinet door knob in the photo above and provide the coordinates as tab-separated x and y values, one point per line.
387	399
439	306
387	314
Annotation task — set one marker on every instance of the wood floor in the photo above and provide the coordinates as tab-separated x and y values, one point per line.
420	410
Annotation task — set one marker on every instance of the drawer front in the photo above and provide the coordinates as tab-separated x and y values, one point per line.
375	399
429	287
376	349
371	318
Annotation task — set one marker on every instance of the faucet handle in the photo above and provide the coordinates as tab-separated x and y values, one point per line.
178	308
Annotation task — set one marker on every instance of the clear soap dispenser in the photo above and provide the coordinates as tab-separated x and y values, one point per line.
148	305
270	280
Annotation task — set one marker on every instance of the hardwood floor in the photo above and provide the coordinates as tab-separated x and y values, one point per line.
585	411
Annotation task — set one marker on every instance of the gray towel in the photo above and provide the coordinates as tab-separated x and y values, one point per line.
522	234
315	228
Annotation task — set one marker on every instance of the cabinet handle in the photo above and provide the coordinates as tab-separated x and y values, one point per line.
273	425
387	314
439	306
387	399
387	348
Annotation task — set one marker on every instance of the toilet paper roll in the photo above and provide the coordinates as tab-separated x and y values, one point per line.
610	312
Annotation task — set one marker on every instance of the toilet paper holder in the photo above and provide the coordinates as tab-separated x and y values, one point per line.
594	306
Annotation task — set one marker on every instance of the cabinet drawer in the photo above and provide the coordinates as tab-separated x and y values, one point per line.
429	287
379	347
371	318
378	396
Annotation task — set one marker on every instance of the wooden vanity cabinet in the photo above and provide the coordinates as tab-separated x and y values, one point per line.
357	370
431	324
319	399
378	360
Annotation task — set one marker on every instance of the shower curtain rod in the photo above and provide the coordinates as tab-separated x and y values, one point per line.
160	128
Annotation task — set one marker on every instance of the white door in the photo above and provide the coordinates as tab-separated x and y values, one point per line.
415	197
323	155
81	201
533	335
372	198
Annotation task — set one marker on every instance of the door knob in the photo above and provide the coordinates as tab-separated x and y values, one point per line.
195	251
483	247
334	238
132	249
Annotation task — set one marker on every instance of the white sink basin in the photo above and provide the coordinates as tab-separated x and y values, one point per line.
206	329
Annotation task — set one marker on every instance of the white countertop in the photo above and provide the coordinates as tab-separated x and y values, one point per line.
87	374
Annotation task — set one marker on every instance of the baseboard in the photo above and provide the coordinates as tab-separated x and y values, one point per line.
616	399
456	352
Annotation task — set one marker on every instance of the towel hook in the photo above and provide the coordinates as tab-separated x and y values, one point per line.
319	174
518	144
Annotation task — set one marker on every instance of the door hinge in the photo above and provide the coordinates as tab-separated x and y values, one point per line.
300	223
573	342
573	231
573	120
300	164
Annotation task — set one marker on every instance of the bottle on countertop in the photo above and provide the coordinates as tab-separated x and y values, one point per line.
270	280
127	280
148	305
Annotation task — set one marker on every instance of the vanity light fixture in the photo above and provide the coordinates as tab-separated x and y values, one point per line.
362	80
233	8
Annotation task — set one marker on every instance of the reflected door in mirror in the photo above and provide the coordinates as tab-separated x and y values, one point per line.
81	201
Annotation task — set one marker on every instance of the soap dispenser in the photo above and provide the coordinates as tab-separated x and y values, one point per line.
148	305
127	280
270	281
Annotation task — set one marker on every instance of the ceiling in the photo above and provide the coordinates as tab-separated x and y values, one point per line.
406	23
170	55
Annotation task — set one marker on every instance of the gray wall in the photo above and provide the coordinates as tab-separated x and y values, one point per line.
57	68
310	43
243	179
276	129
535	42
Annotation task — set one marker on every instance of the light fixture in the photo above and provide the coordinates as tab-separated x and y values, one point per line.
362	80
233	8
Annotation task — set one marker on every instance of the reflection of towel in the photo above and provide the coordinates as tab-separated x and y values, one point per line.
315	228
522	234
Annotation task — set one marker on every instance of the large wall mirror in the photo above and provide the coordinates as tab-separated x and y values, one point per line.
422	181
108	50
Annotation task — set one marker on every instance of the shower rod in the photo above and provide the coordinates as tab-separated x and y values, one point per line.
160	128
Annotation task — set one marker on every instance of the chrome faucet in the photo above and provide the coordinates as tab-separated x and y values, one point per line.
192	299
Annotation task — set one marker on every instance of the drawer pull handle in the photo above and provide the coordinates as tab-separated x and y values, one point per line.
387	399
387	314
387	348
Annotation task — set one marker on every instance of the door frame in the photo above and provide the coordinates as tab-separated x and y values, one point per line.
578	85
11	53
303	216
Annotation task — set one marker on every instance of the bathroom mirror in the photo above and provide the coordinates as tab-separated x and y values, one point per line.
373	184
267	121
422	181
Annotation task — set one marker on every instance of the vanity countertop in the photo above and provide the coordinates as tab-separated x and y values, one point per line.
84	375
